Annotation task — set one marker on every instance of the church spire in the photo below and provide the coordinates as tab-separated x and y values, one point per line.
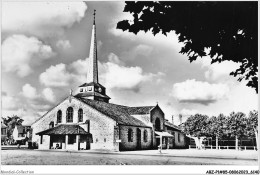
92	89
92	74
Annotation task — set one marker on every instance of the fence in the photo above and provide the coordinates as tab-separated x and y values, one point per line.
243	144
226	147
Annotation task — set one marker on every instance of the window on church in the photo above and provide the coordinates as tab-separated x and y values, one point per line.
51	125
130	135
41	139
69	115
145	135
179	137
59	116
157	124
88	125
89	88
81	89
80	115
71	139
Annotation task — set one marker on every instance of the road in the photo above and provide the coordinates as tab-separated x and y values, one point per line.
36	157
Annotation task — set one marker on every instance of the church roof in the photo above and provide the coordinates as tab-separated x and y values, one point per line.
140	110
119	113
64	129
86	94
171	125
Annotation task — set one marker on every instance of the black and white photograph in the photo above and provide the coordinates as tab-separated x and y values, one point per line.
169	84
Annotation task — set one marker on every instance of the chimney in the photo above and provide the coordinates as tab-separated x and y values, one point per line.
172	119
180	118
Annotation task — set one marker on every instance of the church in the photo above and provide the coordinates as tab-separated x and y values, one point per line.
87	121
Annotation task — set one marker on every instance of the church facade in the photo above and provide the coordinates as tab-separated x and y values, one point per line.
87	120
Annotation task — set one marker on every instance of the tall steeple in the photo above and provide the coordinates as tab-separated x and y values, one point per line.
92	73
92	89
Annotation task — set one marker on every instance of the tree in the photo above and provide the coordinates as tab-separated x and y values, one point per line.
217	127
228	29
252	125
195	127
11	122
237	126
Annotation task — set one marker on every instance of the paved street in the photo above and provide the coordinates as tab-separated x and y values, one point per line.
151	157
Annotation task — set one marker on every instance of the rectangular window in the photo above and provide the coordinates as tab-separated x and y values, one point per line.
41	139
71	139
88	125
81	89
179	139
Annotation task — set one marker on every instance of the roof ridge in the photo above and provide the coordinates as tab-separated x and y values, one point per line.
141	106
120	115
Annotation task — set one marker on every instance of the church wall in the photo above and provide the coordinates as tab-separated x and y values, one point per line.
171	139
45	142
101	126
157	113
178	142
125	145
181	142
154	114
144	118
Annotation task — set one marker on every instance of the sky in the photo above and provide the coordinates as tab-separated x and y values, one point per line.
45	46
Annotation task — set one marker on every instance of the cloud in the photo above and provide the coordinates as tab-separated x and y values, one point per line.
61	75
112	73
113	58
122	77
63	44
9	102
79	67
48	94
192	91
3	93
29	91
218	71
169	41
20	51
28	115
142	49
19	112
55	76
41	18
185	111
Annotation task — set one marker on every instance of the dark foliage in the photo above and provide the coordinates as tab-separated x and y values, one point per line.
10	122
196	125
228	29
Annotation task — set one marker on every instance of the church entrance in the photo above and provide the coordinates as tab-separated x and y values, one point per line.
139	138
84	142
57	141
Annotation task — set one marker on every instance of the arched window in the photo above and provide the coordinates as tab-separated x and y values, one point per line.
51	125
130	135
80	115
157	124
145	135
69	115
59	116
